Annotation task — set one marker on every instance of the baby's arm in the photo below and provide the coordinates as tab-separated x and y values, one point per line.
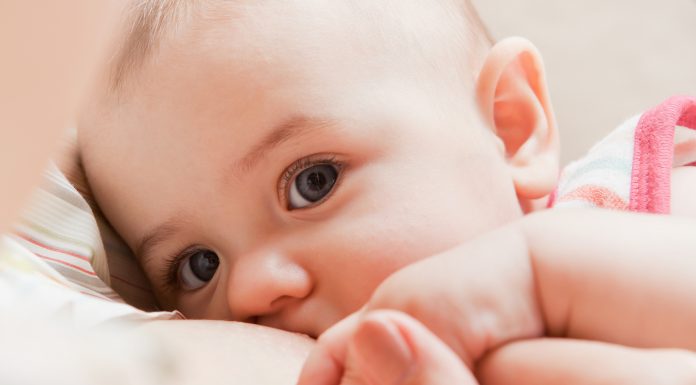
388	348
599	275
602	275
616	277
619	277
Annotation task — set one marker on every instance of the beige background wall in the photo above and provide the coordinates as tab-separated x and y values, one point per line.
606	59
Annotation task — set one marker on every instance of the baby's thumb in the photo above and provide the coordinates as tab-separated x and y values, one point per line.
391	348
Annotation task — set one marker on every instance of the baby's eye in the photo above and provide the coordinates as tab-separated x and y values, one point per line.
312	185
197	269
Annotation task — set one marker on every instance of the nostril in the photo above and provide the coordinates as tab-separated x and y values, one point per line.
265	285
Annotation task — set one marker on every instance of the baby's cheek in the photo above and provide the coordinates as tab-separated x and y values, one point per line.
371	258
387	228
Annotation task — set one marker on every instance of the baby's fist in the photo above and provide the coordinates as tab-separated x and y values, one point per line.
384	348
475	297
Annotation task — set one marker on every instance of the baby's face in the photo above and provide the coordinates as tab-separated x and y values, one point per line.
278	175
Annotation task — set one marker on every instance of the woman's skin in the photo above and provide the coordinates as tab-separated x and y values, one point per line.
49	51
219	352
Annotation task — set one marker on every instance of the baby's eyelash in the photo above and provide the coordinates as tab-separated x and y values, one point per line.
302	164
169	274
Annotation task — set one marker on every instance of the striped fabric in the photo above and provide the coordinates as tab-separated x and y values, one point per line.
59	228
603	177
58	239
630	169
124	273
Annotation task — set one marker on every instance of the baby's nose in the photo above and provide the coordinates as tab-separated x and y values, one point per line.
265	282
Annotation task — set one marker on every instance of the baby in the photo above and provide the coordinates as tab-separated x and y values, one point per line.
275	162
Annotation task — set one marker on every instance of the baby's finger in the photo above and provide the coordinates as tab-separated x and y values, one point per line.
390	348
325	363
575	362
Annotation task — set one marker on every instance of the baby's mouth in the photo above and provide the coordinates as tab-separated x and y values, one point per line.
308	319
290	322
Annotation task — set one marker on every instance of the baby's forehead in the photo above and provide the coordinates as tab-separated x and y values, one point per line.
335	39
337	27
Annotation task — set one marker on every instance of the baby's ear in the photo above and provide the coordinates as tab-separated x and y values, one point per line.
513	97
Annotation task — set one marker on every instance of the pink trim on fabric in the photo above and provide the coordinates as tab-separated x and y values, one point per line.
65	263
654	152
50	248
552	198
599	196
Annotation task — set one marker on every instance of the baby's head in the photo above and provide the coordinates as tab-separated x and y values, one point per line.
274	161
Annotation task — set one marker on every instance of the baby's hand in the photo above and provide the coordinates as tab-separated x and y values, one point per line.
469	300
386	347
474	297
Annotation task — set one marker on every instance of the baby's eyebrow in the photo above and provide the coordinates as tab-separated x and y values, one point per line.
289	129
149	242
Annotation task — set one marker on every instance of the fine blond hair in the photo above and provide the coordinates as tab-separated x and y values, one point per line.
148	22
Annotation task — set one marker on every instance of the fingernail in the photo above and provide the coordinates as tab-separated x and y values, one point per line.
383	353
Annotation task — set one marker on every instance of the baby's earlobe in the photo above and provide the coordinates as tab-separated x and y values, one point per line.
513	97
